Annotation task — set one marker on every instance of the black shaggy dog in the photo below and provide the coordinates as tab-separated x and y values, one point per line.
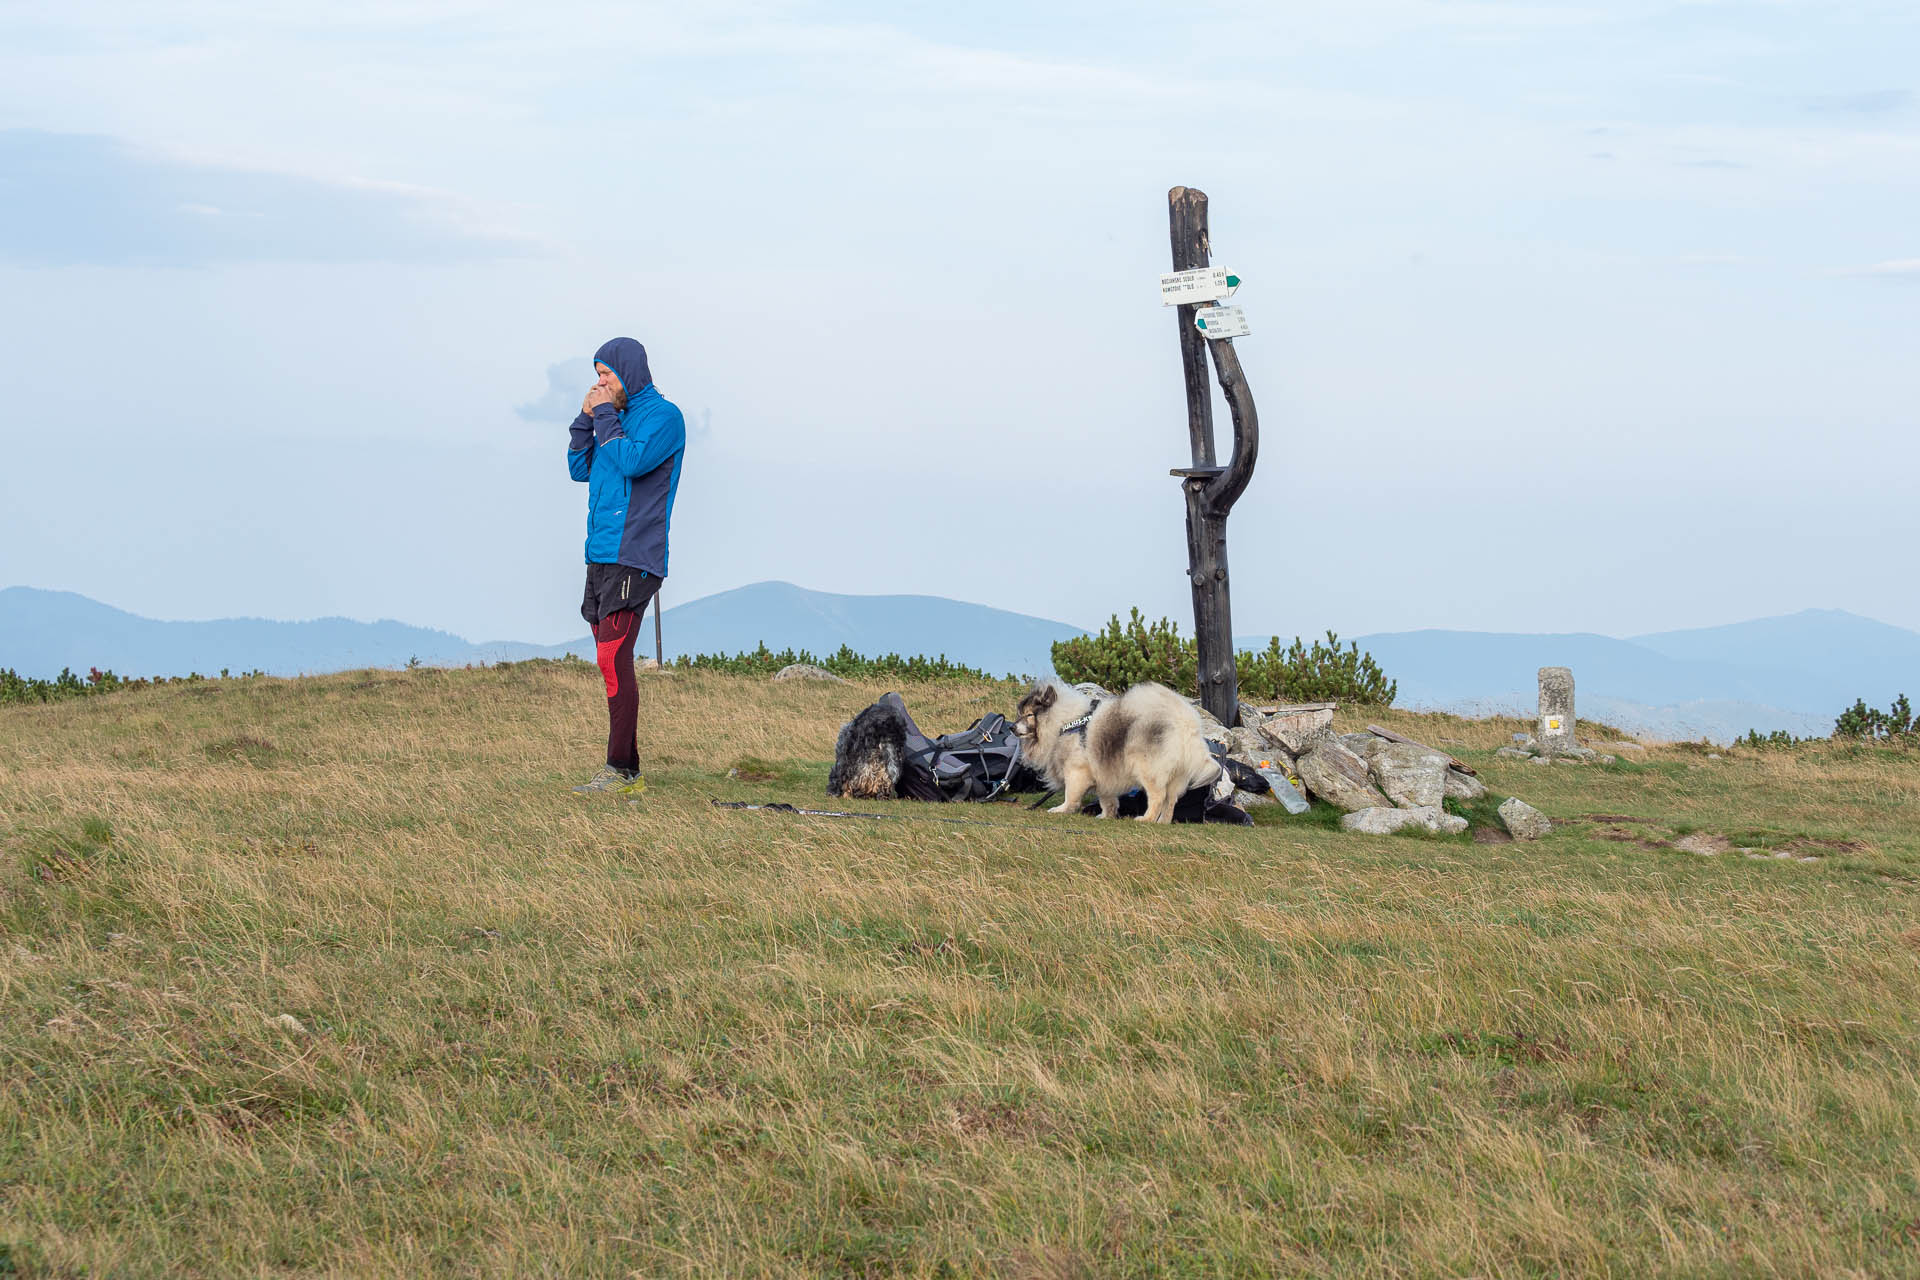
869	753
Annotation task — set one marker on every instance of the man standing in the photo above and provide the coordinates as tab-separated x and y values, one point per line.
626	447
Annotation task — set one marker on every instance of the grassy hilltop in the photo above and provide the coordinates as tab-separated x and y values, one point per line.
330	976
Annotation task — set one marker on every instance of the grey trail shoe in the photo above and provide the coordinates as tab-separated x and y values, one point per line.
611	781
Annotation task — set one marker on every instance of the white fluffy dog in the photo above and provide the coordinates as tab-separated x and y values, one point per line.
1148	737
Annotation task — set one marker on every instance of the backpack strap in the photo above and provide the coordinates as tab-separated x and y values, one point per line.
1007	777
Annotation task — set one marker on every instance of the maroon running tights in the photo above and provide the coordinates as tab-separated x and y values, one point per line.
613	644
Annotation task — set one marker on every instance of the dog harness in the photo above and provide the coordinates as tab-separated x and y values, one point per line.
1080	726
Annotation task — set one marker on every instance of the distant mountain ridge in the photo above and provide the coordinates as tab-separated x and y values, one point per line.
43	631
1794	672
784	616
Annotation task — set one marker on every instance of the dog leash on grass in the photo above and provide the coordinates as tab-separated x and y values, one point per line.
777	806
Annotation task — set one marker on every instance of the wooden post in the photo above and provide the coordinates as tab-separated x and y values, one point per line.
1210	489
1187	228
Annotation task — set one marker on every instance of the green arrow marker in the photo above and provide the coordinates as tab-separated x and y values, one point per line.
1233	282
1199	322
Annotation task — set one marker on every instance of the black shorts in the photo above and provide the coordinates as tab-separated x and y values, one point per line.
613	587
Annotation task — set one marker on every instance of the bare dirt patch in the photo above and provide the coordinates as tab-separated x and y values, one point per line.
1808	844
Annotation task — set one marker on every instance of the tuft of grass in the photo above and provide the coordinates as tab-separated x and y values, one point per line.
242	747
1482	814
787	773
72	849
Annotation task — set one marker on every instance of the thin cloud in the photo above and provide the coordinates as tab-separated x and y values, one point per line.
1868	102
567	382
85	199
1891	269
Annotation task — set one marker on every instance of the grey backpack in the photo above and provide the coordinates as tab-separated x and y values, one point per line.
882	753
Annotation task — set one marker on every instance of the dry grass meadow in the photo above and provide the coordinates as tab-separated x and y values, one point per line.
333	977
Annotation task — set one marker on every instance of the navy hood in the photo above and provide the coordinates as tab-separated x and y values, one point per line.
628	360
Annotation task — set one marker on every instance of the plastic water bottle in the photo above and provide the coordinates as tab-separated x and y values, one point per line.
1284	790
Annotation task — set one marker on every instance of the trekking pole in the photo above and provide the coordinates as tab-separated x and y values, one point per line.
796	810
659	654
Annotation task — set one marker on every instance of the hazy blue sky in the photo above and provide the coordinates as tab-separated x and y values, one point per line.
1594	316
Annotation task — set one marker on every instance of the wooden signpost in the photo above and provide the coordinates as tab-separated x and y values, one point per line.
1195	287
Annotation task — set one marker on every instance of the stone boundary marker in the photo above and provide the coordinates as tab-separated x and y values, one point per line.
1555	730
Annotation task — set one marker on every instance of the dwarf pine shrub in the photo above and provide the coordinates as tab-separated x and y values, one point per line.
1125	654
1778	739
1863	721
1323	672
1118	656
15	687
844	663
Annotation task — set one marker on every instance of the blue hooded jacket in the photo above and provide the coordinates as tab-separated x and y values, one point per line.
630	463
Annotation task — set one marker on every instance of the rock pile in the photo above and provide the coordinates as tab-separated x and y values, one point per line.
1385	782
1525	747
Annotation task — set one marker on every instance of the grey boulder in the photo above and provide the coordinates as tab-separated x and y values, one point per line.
1412	777
1248	746
1338	776
1464	786
1297	728
1523	821
1382	822
1362	744
807	671
1210	728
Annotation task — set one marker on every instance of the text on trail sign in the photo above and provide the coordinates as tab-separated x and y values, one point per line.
1204	284
1221	322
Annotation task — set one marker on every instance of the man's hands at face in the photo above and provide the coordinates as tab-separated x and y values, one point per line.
599	395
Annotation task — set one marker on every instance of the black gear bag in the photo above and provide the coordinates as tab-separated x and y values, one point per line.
882	753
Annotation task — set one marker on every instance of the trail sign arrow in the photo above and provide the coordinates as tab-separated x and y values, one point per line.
1221	322
1205	284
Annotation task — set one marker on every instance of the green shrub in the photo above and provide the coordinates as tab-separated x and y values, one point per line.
1778	739
15	687
1323	673
1118	657
1862	721
1125	654
844	663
